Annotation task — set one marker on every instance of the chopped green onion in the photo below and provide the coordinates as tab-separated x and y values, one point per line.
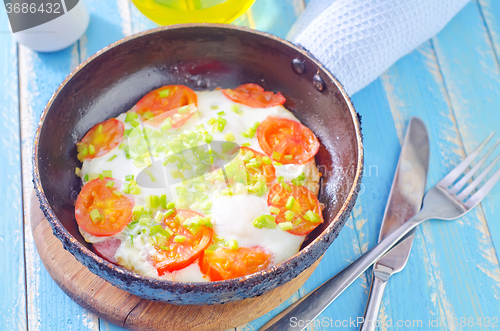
163	201
266	160
287	187
250	133
126	188
246	144
99	128
312	217
131	225
289	203
107	173
129	177
121	146
86	178
255	126
91	149
164	93
288	157
110	184
164	248
221	120
211	121
148	115
233	244
285	226
171	205
132	239
131	116
95	215
276	199
265	221
280	179
169	212
277	164
112	158
137	210
299	180
179	239
276	155
229	136
235	108
244	135
214	107
221	113
117	193
101	176
289	215
208	138
166	126
274	210
77	171
134	123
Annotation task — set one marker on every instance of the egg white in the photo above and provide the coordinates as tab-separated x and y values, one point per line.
231	216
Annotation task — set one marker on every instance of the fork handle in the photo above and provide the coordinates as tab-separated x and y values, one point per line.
300	314
373	305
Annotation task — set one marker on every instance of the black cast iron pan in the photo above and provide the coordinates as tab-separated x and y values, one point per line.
201	56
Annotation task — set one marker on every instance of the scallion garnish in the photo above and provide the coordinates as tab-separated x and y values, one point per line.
233	244
289	203
285	226
95	215
112	158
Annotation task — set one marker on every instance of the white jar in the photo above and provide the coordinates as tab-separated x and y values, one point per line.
57	33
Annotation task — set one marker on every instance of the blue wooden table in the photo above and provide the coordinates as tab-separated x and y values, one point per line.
452	280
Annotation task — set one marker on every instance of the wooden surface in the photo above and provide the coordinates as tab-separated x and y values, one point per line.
131	312
452	82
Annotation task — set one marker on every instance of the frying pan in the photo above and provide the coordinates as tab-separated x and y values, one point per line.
201	56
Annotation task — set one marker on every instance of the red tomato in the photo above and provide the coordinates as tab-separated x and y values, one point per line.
293	142
254	96
304	201
103	137
225	263
107	249
159	104
114	212
182	254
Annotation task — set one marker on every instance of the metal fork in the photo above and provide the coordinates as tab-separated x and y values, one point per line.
441	202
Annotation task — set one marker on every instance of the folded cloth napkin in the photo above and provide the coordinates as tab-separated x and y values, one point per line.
357	40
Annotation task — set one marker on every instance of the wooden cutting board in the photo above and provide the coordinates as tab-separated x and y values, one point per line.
134	313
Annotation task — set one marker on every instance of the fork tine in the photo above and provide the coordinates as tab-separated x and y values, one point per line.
458	186
465	193
483	191
455	173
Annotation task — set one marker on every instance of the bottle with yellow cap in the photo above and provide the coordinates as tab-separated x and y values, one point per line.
166	12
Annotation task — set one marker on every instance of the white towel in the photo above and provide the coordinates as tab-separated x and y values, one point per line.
357	40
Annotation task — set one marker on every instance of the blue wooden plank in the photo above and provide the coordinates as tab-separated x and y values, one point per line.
471	74
490	10
12	279
436	270
48	307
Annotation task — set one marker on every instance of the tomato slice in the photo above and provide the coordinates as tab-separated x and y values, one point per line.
249	167
114	212
290	141
100	139
181	254
304	202
107	249
225	263
167	102
254	96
